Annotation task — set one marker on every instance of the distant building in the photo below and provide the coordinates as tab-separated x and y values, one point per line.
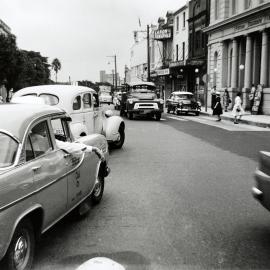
4	28
109	78
238	47
102	76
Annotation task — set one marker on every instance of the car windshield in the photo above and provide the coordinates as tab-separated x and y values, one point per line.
8	150
184	96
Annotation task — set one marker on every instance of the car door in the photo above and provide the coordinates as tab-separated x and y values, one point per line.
49	169
80	163
98	116
88	112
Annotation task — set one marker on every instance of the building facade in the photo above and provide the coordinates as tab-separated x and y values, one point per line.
239	49
199	18
4	28
178	66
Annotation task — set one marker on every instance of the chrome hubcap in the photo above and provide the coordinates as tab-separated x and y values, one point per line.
21	252
97	189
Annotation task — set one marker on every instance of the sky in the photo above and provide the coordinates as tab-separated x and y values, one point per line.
82	33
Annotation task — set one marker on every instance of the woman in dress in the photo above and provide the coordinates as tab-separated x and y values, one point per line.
238	110
217	108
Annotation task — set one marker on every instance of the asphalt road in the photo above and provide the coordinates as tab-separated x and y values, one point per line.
178	197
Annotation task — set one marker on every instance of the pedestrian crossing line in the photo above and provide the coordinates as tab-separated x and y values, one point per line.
162	119
177	118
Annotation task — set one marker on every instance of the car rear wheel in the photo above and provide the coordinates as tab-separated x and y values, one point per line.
118	144
197	113
20	253
168	109
97	193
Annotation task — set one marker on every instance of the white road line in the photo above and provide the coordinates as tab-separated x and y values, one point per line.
177	118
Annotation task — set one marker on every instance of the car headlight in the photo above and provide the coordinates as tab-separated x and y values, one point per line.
161	101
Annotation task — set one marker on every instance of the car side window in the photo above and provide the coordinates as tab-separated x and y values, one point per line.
77	103
40	139
60	130
87	102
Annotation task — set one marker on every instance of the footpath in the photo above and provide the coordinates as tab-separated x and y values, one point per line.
247	118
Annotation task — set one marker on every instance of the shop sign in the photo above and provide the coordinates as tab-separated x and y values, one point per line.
163	34
196	62
255	22
163	72
178	63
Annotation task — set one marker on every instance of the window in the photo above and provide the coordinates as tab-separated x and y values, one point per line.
183	50
176	52
184	19
77	103
60	129
8	150
87	103
217	9
49	99
177	23
32	94
39	140
233	7
247	4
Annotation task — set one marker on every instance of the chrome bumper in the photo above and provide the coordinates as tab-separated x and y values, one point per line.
257	194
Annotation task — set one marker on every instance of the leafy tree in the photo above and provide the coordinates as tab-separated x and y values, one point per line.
56	66
8	56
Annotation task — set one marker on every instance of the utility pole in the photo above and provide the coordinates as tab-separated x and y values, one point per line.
148	54
115	70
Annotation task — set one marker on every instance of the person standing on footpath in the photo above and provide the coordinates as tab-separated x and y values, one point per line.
238	110
213	95
251	96
217	108
226	99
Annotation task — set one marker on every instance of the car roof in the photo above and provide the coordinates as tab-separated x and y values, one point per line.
59	89
182	92
65	93
20	116
142	83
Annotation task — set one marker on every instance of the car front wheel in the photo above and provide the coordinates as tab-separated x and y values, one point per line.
20	253
97	193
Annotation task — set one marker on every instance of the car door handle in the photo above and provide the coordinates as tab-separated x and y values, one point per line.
34	169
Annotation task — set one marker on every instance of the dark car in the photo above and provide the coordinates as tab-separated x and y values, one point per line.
261	190
142	99
183	102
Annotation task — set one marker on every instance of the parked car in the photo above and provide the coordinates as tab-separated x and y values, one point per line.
105	97
261	190
82	104
183	102
44	175
141	99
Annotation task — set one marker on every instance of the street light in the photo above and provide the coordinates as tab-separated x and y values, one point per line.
241	67
115	70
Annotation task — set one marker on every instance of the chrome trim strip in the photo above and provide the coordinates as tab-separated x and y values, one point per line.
40	189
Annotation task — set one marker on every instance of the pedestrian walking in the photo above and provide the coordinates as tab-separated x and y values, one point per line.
238	110
226	99
213	99
217	108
